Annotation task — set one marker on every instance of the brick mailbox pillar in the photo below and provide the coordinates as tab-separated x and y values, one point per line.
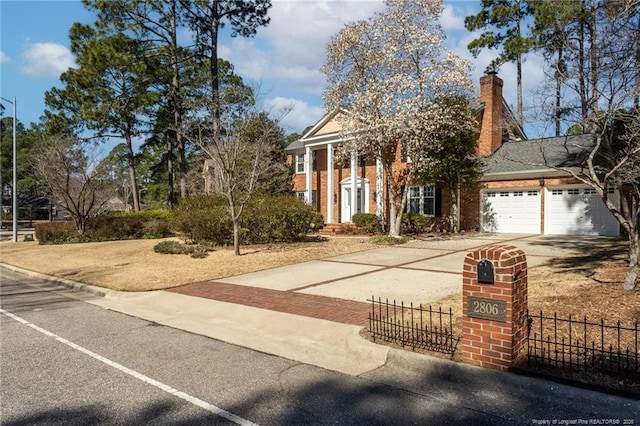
494	298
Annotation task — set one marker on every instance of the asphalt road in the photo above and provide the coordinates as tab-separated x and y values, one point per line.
68	362
65	361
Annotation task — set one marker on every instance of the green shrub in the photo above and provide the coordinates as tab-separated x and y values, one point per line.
59	232
264	219
142	224
415	223
110	227
203	218
269	218
144	215
198	251
156	228
169	247
367	222
387	240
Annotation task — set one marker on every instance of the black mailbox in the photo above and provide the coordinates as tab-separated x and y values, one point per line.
485	272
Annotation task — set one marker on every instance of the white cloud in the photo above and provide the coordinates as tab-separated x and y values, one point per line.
300	115
285	56
3	58
46	60
452	18
292	47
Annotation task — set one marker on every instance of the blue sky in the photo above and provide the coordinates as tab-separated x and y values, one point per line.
283	59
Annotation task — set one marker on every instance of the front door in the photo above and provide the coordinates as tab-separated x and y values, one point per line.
346	212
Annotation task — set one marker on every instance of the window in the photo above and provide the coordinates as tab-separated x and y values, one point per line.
346	163
573	191
532	193
504	193
302	197
518	193
556	192
422	199
301	164
589	191
491	194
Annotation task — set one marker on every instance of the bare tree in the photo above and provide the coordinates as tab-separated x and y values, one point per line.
72	177
600	96
240	158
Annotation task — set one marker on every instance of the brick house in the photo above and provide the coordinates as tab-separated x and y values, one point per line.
518	194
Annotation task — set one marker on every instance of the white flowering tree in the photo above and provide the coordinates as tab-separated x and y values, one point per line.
389	72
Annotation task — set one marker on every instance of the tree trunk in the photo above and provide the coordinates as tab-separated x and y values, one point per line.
395	222
519	88
455	207
132	171
636	88
177	106
235	219
559	78
236	237
215	83
582	75
593	40
633	272
171	196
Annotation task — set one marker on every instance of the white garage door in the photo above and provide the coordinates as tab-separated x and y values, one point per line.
578	210
511	211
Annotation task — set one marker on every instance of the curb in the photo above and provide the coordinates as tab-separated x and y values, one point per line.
95	290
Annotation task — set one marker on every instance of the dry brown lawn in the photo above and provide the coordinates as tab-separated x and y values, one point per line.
134	266
585	283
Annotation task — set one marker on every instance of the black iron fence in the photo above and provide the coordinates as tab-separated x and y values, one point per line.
578	345
415	327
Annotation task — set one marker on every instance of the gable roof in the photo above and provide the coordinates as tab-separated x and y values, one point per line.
324	131
537	157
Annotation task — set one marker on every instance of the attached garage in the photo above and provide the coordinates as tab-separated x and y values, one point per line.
578	210
514	210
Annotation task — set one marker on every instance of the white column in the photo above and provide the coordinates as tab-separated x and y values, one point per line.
308	170
329	217
354	184
379	188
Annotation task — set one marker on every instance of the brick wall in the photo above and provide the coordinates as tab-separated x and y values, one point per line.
495	343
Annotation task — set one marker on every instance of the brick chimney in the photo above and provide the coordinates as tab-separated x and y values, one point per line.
491	126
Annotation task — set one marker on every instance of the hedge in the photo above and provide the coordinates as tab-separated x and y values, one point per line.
110	227
367	222
266	218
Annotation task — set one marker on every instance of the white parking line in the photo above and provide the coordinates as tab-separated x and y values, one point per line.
191	399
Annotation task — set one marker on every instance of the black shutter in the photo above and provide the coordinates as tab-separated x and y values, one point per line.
438	211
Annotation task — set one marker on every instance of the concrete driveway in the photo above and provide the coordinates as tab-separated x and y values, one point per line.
420	271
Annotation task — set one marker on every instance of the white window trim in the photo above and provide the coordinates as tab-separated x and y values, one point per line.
300	161
302	196
422	197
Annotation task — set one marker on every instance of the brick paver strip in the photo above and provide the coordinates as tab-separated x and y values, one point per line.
310	305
